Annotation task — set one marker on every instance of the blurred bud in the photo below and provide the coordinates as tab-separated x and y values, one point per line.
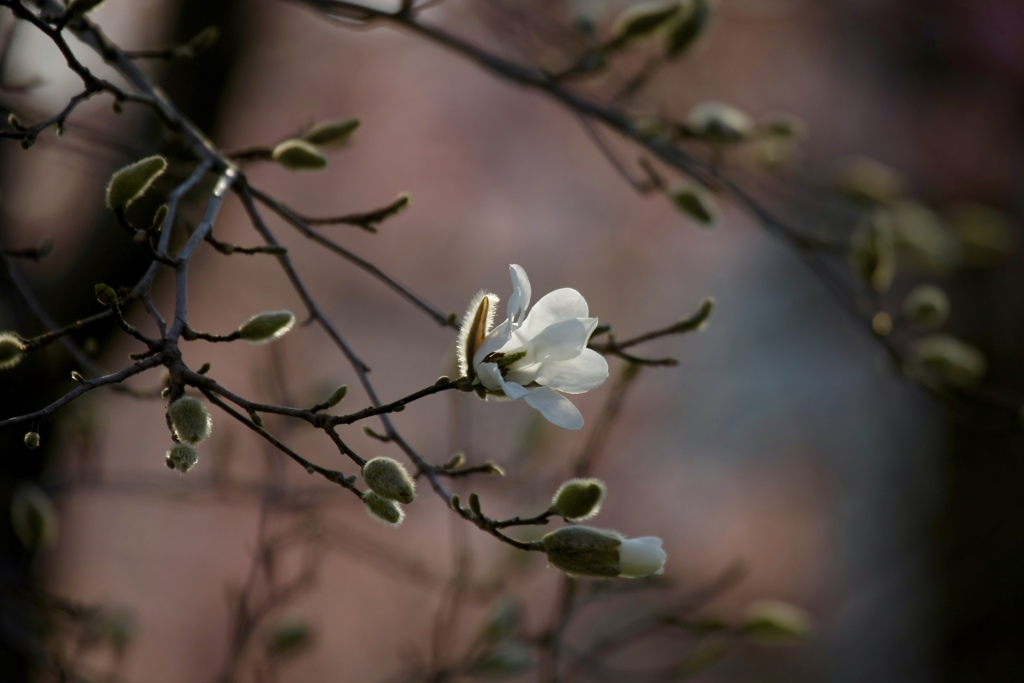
695	203
12	350
33	517
181	457
289	637
32	440
202	41
493	468
331	133
987	236
579	499
868	181
337	397
643	18
687	26
190	419
505	660
390	479
456	461
132	181
299	155
775	622
942	359
922	237
105	294
383	509
719	123
873	251
78	8
504	620
927	307
266	327
784	126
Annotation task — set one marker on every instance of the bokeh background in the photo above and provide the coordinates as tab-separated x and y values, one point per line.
783	440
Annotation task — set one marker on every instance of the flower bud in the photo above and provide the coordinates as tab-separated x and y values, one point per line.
337	397
867	181
942	359
33	517
105	294
927	307
689	24
299	155
579	499
331	133
181	457
388	478
873	251
266	327
695	203
78	8
383	509
719	123
132	181
12	350
775	622
643	18
784	127
585	551
32	440
190	419
475	324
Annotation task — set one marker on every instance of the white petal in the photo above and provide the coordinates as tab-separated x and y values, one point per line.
495	339
520	299
560	341
557	409
586	371
490	375
561	304
641	557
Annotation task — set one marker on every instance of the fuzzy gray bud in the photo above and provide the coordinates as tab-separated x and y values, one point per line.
190	419
389	479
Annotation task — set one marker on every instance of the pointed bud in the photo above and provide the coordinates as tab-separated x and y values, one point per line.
942	359
158	218
775	622
719	123
33	517
579	499
337	397
390	479
132	181
383	509
689	24
642	19
78	8
867	181
32	440
105	294
476	323
331	133
927	307
299	155
695	203
12	350
181	457
190	419
203	40
266	327
873	251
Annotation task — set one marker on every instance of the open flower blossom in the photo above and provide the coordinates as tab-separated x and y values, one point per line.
532	356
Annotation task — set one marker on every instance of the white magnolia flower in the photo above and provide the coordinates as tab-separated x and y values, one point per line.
586	551
533	356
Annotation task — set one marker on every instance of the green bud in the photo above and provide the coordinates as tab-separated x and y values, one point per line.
506	660
12	350
643	18
383	509
105	294
266	327
868	181
132	181
927	307
33	517
456	461
494	468
337	397
290	637
503	622
719	123
32	440
784	127
474	505
922	236
389	479
775	622
583	551
158	218
331	133
688	25
873	251
190	419
299	155
941	359
579	499
181	457
695	203
203	369
203	40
